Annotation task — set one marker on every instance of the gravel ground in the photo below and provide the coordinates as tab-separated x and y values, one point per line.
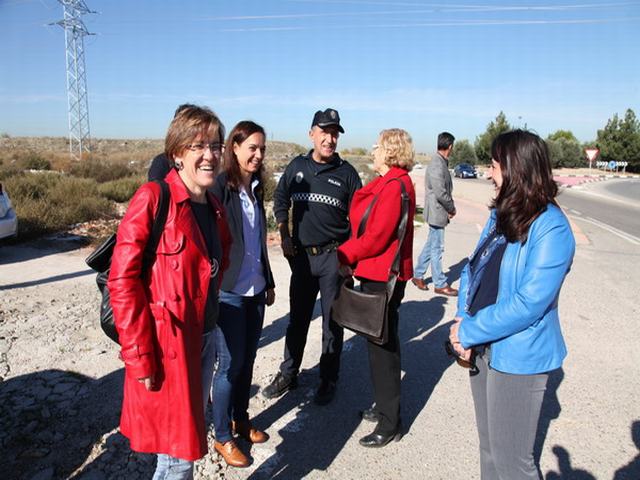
61	381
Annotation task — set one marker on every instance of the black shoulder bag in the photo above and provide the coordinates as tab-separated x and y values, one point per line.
100	260
366	313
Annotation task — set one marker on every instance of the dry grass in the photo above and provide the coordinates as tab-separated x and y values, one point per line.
53	193
49	202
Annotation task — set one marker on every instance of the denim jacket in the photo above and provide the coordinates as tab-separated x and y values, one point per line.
523	327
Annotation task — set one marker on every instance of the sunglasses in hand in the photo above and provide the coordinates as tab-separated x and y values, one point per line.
470	364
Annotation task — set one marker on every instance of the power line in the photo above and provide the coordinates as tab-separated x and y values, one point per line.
78	104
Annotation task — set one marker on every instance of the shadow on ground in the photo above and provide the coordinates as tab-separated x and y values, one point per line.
13	252
51	420
313	436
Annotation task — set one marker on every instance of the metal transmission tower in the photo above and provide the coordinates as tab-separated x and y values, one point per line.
74	33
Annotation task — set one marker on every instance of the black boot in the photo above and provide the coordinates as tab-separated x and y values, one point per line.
279	386
377	439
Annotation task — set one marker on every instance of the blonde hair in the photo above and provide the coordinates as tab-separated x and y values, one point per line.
187	124
398	148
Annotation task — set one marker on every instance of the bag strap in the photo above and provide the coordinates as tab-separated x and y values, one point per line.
159	222
402	230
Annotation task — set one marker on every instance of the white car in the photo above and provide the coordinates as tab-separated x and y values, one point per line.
8	219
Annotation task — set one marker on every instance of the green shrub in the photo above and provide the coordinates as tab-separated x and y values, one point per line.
48	203
24	159
358	151
34	161
100	171
7	171
121	190
269	187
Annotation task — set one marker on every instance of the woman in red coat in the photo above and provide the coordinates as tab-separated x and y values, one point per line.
369	258
165	319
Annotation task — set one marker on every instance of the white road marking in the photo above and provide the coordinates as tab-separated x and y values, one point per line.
619	233
611	198
576	212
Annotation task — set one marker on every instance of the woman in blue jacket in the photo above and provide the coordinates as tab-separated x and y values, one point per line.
507	318
246	288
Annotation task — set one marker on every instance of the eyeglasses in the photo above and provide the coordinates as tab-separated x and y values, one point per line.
216	148
470	364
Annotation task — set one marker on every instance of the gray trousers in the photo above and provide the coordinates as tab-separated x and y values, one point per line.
507	411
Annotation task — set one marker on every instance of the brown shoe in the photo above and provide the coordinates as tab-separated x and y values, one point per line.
419	282
250	434
231	454
446	290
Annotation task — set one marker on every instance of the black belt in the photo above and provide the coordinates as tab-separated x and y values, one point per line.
318	249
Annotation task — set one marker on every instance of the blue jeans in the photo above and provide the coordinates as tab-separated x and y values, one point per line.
172	468
432	252
237	335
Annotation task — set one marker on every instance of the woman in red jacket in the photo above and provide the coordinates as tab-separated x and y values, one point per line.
165	319
369	258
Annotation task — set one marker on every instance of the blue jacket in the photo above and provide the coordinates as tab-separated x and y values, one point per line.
523	327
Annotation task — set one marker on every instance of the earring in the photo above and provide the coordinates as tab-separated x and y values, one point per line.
178	164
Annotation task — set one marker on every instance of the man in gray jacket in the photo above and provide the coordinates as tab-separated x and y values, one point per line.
438	210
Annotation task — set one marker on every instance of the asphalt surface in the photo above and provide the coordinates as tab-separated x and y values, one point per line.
628	189
612	205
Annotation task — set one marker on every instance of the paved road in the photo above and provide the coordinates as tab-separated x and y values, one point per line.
609	205
628	189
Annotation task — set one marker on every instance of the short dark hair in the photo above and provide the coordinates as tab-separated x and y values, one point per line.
187	125
445	140
527	182
239	134
182	107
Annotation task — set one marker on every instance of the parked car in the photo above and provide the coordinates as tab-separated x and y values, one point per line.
464	170
8	219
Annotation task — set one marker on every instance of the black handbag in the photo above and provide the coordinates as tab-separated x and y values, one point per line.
100	261
366	313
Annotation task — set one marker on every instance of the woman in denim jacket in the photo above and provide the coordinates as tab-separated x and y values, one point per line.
507	318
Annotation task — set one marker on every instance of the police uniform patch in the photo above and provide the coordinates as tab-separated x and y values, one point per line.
299	177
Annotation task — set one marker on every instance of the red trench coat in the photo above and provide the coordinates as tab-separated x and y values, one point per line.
374	251
160	321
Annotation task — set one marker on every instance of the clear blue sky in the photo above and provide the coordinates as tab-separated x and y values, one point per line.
418	65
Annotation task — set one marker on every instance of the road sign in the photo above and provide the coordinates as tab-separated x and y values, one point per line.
592	153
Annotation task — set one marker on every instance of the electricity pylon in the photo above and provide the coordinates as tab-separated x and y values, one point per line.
74	33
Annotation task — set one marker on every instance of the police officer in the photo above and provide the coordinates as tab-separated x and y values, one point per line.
319	186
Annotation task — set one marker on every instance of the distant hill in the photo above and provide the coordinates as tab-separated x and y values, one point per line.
138	151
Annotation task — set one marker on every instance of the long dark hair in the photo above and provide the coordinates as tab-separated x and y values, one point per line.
239	134
527	182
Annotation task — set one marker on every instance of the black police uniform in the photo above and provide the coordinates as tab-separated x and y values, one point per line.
320	194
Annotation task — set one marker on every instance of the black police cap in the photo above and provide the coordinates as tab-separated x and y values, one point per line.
327	118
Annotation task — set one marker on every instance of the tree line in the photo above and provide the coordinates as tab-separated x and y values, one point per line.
619	140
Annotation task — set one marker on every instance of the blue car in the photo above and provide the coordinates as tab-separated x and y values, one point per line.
464	170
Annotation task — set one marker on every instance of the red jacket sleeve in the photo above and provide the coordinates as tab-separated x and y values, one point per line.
381	229
129	300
